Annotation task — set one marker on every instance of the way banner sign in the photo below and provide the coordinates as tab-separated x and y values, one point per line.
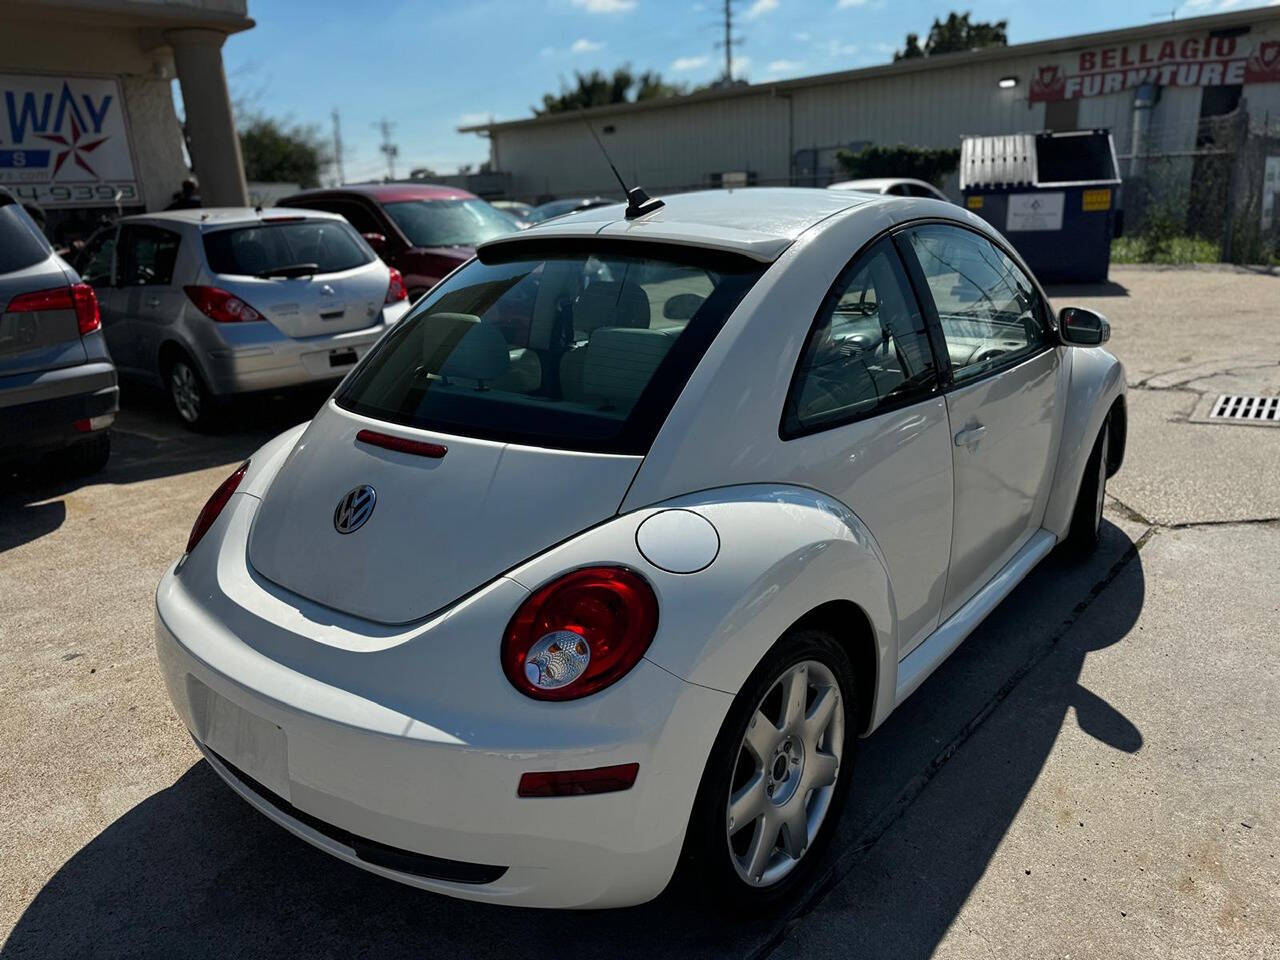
64	141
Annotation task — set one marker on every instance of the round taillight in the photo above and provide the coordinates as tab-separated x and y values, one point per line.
580	633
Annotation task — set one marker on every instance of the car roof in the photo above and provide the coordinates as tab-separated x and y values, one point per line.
392	192
210	218
757	222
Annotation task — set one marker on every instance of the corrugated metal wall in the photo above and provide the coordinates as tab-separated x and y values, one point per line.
680	145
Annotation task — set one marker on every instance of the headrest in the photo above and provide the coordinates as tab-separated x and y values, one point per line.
608	303
619	362
459	345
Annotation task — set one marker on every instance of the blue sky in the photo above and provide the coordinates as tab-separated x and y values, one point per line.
430	65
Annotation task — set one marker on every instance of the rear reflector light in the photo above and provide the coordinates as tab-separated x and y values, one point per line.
89	424
78	297
419	448
220	306
576	783
213	506
395	289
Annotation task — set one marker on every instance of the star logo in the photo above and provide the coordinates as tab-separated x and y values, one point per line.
76	148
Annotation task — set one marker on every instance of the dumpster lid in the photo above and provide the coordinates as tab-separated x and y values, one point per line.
1079	158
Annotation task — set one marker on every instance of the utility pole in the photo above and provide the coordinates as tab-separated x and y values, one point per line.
729	42
337	147
388	148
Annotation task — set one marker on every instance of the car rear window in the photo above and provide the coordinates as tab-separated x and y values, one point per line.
21	244
449	223
330	245
579	349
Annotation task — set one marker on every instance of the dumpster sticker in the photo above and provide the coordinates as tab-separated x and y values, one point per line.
1179	61
1093	200
974	203
64	141
1035	211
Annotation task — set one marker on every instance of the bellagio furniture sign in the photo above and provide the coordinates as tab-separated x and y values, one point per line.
64	141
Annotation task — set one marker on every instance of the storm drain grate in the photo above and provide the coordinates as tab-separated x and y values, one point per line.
1239	408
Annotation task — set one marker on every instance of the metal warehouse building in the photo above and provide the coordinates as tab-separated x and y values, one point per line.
1161	79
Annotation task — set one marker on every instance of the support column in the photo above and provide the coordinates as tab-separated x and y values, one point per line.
211	127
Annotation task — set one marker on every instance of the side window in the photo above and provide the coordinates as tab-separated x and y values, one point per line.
96	269
148	256
990	312
868	350
900	190
358	215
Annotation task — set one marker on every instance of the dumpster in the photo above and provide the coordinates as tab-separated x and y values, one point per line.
1053	195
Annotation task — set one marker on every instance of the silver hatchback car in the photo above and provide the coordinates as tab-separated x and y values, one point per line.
211	303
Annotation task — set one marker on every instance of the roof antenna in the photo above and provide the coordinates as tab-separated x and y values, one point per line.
638	202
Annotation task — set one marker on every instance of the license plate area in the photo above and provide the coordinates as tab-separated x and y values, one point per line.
342	358
255	745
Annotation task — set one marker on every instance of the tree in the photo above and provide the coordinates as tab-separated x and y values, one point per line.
598	89
953	35
274	153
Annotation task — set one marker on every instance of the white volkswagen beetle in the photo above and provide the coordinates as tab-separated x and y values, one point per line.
603	558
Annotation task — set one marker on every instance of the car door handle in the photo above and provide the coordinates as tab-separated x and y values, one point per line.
970	435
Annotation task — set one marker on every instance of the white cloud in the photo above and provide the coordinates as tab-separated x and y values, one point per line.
784	66
683	64
843	4
605	6
473	119
583	45
760	8
740	66
836	49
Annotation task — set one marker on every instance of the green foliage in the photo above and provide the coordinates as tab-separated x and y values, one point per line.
598	89
953	35
274	153
919	163
1166	248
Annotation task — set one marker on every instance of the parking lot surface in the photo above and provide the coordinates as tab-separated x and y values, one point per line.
1092	774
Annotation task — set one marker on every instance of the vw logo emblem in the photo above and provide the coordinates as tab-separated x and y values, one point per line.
354	509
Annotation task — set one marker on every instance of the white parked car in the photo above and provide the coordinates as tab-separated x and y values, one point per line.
893	186
605	557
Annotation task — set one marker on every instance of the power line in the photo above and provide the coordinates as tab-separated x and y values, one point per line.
729	41
389	149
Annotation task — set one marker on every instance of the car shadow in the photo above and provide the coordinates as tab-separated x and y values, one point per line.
147	443
1065	291
193	871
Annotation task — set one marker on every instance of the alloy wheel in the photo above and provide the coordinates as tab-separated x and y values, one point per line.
786	772
185	389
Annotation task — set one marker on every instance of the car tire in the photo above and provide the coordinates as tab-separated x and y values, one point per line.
1086	519
195	407
720	852
83	458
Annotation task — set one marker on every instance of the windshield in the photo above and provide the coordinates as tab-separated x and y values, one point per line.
574	350
449	223
329	246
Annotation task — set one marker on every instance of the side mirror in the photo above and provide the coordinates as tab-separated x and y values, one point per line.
1080	327
376	240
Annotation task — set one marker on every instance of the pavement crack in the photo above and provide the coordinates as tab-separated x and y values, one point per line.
845	862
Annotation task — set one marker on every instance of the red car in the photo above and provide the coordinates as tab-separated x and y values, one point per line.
424	231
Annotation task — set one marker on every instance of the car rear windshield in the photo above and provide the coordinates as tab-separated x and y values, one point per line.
578	349
21	244
330	246
449	223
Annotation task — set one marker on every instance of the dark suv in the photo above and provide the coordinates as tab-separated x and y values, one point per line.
58	392
424	231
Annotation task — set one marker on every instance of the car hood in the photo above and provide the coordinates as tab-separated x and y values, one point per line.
439	528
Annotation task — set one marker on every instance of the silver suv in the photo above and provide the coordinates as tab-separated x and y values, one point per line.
210	303
58	392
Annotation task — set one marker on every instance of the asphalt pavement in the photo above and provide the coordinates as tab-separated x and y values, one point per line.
1092	774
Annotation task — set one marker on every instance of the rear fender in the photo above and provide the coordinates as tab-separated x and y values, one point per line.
266	461
784	551
1096	382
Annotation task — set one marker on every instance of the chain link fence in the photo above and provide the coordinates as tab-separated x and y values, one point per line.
1204	190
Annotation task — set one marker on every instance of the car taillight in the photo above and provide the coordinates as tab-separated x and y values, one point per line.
213	506
395	290
580	633
220	306
576	783
78	297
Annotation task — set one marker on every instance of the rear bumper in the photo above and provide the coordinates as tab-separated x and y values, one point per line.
40	409
258	357
400	751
